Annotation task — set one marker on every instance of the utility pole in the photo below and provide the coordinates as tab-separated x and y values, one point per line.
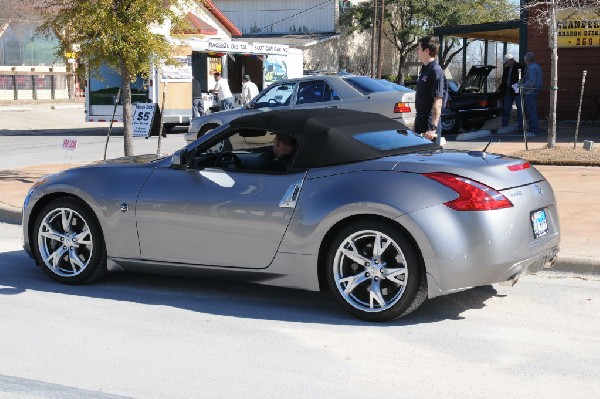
379	41
373	31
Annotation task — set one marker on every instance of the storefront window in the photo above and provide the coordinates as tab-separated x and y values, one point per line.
19	45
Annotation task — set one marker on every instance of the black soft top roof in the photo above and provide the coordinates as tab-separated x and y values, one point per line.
324	136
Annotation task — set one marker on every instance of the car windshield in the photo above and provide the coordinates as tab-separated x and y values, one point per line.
276	96
391	139
367	85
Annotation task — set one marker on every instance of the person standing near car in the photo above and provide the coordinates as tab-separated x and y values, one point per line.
510	77
223	92
532	83
197	101
249	90
432	89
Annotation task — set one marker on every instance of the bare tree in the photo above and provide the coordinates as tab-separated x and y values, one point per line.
551	14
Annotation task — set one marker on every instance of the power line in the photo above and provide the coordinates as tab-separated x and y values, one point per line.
294	15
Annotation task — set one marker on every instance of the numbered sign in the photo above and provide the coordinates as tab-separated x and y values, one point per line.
142	119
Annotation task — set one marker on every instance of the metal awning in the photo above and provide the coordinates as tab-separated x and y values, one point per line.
504	31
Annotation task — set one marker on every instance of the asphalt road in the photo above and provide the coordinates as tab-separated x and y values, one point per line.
35	135
134	335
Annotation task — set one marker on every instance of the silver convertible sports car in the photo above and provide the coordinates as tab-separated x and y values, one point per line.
361	206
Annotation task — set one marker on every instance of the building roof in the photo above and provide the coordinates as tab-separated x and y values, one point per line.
503	31
297	41
214	10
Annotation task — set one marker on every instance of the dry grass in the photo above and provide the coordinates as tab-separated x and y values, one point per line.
562	154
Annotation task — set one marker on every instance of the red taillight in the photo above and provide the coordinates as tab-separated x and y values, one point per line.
483	103
401	108
521	166
472	195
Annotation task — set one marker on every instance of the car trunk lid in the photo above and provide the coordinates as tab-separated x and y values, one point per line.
500	172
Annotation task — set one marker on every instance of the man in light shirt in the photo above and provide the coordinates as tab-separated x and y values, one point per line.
223	92
249	90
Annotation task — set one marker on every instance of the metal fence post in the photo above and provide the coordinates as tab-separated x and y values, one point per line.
52	86
579	109
14	82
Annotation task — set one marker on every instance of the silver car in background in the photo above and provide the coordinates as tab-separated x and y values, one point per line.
366	208
347	91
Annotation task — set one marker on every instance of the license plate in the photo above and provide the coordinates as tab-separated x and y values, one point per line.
539	223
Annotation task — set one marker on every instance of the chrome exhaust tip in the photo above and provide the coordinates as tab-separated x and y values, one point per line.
550	263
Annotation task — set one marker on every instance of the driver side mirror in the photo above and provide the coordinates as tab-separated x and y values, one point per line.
251	105
178	159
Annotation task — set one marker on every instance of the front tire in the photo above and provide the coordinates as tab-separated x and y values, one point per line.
374	272
68	242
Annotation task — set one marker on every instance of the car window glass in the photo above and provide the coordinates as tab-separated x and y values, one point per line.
246	150
276	96
391	139
366	85
315	92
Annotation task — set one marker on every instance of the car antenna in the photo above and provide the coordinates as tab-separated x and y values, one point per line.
488	144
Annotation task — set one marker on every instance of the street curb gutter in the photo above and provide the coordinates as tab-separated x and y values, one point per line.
569	263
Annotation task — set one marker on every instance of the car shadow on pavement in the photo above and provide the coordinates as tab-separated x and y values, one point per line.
226	298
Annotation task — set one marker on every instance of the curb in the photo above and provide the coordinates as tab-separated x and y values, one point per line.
67	106
12	108
577	264
570	263
10	214
473	135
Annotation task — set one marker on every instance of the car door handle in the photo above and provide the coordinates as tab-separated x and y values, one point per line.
290	197
332	106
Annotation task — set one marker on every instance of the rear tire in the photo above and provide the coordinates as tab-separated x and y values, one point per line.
451	125
374	272
68	243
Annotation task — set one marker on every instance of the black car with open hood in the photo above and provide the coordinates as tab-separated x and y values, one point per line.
471	105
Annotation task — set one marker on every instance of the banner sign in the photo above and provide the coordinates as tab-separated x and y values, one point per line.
69	144
579	28
223	46
142	119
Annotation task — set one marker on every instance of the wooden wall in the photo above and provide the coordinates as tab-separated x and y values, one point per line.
571	64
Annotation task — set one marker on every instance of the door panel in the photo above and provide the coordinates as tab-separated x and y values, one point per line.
213	216
316	94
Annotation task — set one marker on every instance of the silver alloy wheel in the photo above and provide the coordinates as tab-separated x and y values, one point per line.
370	271
65	242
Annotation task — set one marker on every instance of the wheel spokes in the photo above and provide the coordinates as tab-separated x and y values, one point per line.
49	232
393	274
375	294
353	254
380	245
84	238
65	227
55	257
75	261
352	282
66	217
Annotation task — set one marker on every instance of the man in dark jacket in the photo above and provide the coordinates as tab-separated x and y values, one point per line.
432	89
510	77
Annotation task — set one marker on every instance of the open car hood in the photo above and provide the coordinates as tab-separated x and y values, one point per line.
475	79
